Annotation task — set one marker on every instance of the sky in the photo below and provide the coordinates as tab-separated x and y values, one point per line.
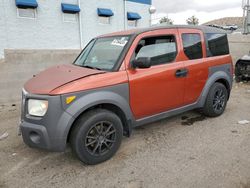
204	10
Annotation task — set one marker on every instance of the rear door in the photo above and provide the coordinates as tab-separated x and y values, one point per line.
194	55
160	87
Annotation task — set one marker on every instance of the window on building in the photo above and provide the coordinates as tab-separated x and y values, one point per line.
161	49
26	9
132	23
70	12
104	20
70	17
104	15
217	44
133	19
192	45
26	13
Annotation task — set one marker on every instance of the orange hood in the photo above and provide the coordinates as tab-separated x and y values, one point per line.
50	79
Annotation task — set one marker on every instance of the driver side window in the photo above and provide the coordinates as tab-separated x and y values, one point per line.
161	49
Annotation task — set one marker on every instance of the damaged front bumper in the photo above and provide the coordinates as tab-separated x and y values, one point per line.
48	132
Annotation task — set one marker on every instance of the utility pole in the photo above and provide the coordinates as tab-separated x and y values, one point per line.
125	14
80	25
246	16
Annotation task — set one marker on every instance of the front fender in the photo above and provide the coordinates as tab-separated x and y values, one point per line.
99	97
117	95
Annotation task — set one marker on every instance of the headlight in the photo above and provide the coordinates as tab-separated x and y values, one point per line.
37	107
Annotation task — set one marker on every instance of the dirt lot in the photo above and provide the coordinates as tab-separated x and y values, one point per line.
170	153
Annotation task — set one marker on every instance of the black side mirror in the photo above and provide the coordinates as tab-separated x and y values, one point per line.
142	63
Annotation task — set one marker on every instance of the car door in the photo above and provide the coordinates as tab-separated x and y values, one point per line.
158	88
195	61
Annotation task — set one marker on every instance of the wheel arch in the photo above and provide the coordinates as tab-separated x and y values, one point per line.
226	84
126	123
104	99
219	76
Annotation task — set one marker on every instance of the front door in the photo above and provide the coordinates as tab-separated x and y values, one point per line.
158	88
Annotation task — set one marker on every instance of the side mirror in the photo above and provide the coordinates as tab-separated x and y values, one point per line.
142	63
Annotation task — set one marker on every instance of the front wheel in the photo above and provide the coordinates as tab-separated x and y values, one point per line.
216	100
96	136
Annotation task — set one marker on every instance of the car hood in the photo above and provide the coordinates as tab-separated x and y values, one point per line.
46	81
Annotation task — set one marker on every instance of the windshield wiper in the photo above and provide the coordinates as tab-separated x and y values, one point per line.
90	67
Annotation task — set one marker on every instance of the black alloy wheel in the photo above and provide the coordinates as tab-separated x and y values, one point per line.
100	138
96	136
219	100
216	100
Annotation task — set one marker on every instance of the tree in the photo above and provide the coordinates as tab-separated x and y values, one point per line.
192	21
166	20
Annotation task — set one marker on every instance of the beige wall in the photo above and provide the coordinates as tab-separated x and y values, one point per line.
21	65
239	45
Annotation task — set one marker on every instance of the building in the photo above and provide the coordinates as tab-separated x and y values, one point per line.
66	24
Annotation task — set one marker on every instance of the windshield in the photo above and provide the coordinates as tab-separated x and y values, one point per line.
102	53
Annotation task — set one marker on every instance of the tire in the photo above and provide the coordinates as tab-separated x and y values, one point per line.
216	100
96	136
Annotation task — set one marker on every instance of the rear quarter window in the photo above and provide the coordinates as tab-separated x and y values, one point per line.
217	44
192	45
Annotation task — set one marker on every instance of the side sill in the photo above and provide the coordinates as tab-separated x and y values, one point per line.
166	114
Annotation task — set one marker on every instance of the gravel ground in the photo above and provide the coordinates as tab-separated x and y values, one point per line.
176	152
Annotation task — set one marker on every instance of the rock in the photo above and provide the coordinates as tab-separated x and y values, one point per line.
4	136
243	122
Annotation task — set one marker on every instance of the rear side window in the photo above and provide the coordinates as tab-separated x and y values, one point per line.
217	44
160	49
192	45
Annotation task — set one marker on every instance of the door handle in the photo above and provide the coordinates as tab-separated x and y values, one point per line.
180	73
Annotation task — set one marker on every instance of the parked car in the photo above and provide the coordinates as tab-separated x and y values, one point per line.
242	69
230	27
124	80
215	25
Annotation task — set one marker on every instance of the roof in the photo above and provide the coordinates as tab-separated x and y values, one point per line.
205	29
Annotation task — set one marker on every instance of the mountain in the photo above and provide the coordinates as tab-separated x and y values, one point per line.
227	21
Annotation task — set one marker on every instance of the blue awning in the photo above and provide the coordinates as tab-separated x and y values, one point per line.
147	2
105	12
133	16
70	8
26	3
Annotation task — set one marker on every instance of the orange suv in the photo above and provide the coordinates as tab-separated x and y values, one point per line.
123	80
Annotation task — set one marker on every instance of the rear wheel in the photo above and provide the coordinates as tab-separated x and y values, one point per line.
96	136
216	100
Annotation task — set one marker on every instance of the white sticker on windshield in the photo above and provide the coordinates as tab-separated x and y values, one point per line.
119	42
